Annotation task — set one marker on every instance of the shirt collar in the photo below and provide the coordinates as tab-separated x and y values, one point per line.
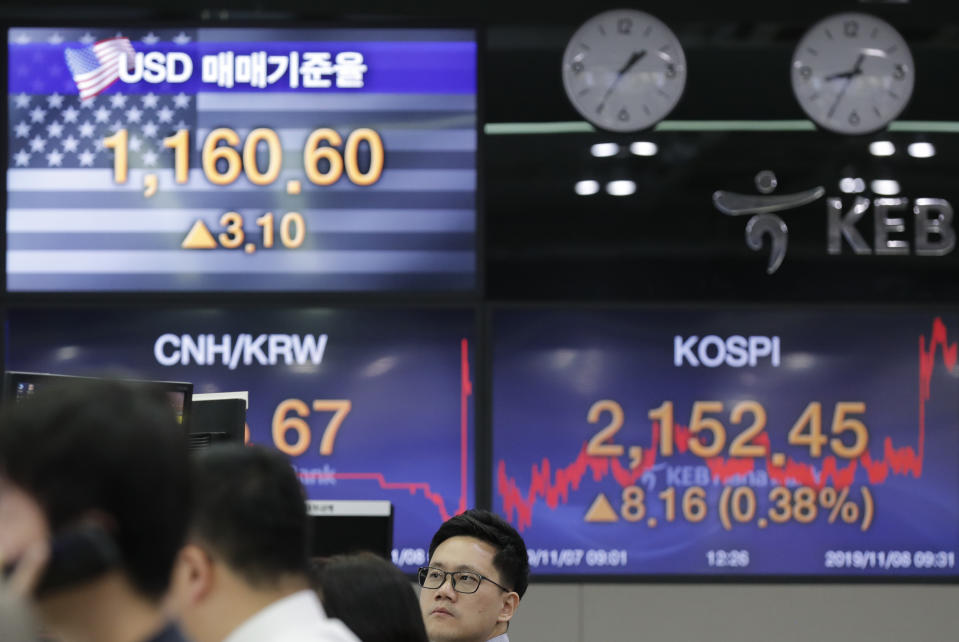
301	609
169	633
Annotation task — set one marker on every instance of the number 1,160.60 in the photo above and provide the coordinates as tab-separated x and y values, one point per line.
222	164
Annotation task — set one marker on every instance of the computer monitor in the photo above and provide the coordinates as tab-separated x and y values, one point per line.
350	526
217	418
18	385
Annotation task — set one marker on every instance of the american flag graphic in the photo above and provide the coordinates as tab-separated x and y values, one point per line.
96	67
71	227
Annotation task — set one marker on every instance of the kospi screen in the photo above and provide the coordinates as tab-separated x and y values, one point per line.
241	159
734	442
369	403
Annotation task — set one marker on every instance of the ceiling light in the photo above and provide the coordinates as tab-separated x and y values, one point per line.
882	148
885	187
586	188
644	148
602	150
921	150
852	185
620	188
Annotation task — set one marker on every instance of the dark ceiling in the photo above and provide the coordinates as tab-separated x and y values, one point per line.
490	13
666	241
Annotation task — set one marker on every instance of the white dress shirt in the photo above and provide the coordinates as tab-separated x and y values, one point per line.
295	618
499	638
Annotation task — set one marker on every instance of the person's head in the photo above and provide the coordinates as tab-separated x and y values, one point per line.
349	585
90	466
477	574
248	536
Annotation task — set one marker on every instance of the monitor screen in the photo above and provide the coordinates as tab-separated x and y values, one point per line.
369	403
241	159
699	441
19	385
344	527
224	417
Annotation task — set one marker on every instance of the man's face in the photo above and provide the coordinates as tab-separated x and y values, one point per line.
459	617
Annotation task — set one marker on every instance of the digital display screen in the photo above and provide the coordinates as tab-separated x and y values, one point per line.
241	159
369	403
695	442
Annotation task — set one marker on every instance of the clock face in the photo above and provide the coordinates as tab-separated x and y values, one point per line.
624	70
852	73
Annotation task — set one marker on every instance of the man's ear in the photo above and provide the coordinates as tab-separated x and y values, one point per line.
508	609
193	575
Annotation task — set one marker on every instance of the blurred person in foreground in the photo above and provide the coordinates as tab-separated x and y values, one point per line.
94	505
16	623
243	575
350	584
477	574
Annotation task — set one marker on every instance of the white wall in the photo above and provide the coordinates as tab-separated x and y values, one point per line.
737	613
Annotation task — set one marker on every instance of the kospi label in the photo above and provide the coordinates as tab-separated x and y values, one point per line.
735	351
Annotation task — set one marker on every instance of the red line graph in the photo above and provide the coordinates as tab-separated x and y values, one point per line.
554	486
466	389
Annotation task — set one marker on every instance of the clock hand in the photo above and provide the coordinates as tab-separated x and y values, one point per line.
842	92
856	70
633	59
843	74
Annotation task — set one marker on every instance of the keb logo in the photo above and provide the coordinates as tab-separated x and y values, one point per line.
762	208
899	226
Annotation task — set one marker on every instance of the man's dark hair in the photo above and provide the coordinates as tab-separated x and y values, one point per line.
108	451
250	509
350	584
511	559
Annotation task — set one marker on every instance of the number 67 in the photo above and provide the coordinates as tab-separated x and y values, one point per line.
282	423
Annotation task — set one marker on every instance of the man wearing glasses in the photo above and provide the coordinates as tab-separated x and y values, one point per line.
477	575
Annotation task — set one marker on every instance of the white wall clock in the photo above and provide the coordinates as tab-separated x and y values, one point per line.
624	70
852	73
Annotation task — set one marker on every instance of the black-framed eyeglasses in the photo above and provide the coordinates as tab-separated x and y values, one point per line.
463	581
